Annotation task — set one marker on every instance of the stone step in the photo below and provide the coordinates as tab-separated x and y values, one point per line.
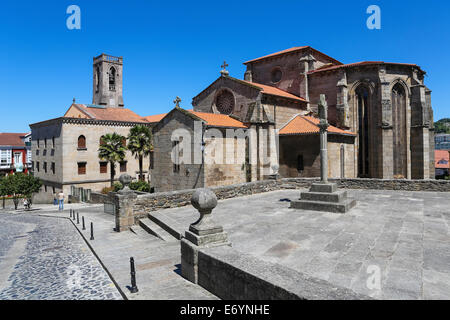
168	224
154	229
335	197
324	187
141	232
342	207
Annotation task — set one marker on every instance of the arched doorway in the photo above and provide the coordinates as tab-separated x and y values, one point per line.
398	99
363	110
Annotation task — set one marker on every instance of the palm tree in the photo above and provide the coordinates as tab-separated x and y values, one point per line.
140	144
112	149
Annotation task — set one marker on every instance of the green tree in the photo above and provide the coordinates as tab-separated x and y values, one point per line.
112	149
29	185
140	145
3	191
20	185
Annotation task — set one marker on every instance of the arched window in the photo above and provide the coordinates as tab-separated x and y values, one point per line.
81	142
398	99
97	79
112	79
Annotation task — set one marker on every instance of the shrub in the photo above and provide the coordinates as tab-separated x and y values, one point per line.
117	186
107	190
141	186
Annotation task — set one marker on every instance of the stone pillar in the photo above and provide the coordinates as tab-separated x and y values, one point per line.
323	125
204	233
306	64
420	124
386	167
124	202
342	107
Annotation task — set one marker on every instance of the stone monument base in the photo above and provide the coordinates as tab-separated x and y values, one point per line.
324	197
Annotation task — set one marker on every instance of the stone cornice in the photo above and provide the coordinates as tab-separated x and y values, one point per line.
87	121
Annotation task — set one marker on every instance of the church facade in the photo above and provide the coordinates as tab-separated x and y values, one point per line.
380	114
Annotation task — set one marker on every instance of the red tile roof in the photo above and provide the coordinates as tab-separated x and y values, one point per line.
362	63
293	49
218	120
112	114
12	139
308	125
274	91
441	156
155	118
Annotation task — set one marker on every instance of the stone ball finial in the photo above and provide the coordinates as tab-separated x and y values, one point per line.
125	179
204	200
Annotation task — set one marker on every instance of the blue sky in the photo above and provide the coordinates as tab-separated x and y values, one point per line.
175	48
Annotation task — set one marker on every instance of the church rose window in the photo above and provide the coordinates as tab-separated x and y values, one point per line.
225	102
276	75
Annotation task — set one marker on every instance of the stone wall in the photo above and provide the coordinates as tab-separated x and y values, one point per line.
98	198
232	275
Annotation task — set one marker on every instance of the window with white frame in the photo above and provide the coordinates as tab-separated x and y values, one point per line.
5	157
28	156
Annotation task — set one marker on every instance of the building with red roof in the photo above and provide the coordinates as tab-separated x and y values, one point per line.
442	163
15	153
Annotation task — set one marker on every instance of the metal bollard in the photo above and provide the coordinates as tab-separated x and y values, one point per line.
78	217
73	215
133	288
70	213
82	220
92	231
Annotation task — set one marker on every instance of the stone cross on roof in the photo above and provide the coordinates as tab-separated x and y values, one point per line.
224	66
177	102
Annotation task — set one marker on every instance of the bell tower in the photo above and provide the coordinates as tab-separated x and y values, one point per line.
107	89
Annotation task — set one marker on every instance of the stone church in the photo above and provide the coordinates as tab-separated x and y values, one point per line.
251	129
380	114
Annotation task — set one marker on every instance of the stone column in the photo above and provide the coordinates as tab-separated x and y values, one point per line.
342	107
124	201
386	168
204	233
323	125
306	63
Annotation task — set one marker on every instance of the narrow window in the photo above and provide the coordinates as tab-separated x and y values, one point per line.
176	150
123	166
53	142
45	167
37	166
102	141
45	143
103	167
112	79
151	159
81	142
97	79
300	165
53	168
81	168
